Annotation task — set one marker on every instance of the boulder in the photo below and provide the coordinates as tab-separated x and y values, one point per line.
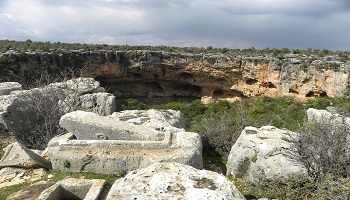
101	103
126	125
173	181
7	87
264	154
321	116
17	155
24	113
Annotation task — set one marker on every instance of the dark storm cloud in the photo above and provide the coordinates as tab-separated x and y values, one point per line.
220	23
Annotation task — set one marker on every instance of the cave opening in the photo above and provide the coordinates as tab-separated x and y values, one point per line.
310	94
323	94
271	85
218	94
293	91
150	92
251	81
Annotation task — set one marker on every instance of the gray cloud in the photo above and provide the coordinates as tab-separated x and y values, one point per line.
220	23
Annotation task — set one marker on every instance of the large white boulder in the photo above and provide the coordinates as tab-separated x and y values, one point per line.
173	181
25	113
264	154
324	116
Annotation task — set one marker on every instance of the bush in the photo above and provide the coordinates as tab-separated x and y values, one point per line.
297	187
220	132
133	104
324	148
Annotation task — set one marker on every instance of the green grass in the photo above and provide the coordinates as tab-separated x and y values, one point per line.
2	152
214	163
8	191
58	176
254	158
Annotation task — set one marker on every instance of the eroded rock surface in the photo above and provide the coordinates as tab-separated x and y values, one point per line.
324	116
123	141
264	154
158	76
173	181
125	125
26	113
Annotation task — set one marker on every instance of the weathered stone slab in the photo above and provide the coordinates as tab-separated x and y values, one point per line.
17	155
126	125
173	181
72	188
114	156
7	87
264	154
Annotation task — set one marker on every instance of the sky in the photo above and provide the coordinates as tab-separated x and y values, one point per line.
294	24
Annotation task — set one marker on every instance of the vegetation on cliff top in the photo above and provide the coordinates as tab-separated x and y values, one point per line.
30	46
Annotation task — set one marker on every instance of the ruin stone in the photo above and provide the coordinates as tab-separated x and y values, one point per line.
73	188
264	154
173	181
17	155
125	125
123	141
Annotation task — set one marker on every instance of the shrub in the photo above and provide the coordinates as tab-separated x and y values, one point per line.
297	187
134	104
220	132
324	148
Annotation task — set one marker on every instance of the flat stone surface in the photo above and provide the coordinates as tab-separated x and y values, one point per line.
173	181
113	156
126	125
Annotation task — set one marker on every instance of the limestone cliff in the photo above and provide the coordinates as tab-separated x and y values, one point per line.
157	76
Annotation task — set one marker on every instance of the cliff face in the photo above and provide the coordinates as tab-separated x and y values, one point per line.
164	76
